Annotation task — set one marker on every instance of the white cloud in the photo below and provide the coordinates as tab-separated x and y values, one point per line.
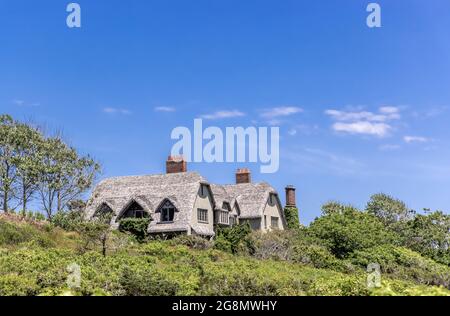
385	114
222	115
281	111
110	110
363	127
415	139
364	122
164	109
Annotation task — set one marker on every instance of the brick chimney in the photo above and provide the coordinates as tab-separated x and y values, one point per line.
176	164
290	196
243	176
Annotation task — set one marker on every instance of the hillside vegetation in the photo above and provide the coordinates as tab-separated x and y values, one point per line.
35	259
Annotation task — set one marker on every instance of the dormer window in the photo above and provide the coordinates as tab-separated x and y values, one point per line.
167	212
134	210
104	213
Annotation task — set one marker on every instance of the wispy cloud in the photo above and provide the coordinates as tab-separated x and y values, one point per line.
303	129
222	115
363	127
323	161
164	109
280	112
20	102
415	139
109	110
364	122
389	147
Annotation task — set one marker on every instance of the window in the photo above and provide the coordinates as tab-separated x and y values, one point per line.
274	222
265	221
202	215
232	220
167	212
224	219
134	210
104	213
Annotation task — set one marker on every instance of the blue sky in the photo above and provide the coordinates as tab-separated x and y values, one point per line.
371	105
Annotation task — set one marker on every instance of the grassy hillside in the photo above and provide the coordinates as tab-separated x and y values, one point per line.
34	260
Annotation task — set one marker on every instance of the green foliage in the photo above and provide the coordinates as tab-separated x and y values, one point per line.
15	234
429	235
148	282
388	210
136	226
16	285
291	214
193	242
404	264
328	258
31	163
345	230
69	221
233	239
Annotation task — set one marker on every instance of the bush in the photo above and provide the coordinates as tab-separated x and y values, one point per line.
69	221
15	285
291	214
403	263
14	234
193	242
234	239
347	230
146	283
136	226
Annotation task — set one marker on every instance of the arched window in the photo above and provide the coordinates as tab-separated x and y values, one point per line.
134	210
104	213
167	211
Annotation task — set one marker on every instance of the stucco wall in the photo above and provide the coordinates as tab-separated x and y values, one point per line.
204	202
272	209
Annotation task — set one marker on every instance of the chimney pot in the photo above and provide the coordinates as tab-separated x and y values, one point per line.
243	176
176	164
290	196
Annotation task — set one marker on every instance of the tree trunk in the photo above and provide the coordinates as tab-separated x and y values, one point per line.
104	246
5	201
58	197
24	200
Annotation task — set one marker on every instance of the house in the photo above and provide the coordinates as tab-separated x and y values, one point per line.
182	202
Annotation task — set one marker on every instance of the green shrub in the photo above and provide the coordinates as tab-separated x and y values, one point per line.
193	242
234	239
136	226
15	285
346	230
149	282
69	221
291	214
404	264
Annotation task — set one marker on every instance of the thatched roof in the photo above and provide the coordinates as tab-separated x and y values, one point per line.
150	191
181	189
251	197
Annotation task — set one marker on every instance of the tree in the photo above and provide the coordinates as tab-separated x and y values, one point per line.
96	232
429	234
389	210
347	229
27	162
8	151
65	176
